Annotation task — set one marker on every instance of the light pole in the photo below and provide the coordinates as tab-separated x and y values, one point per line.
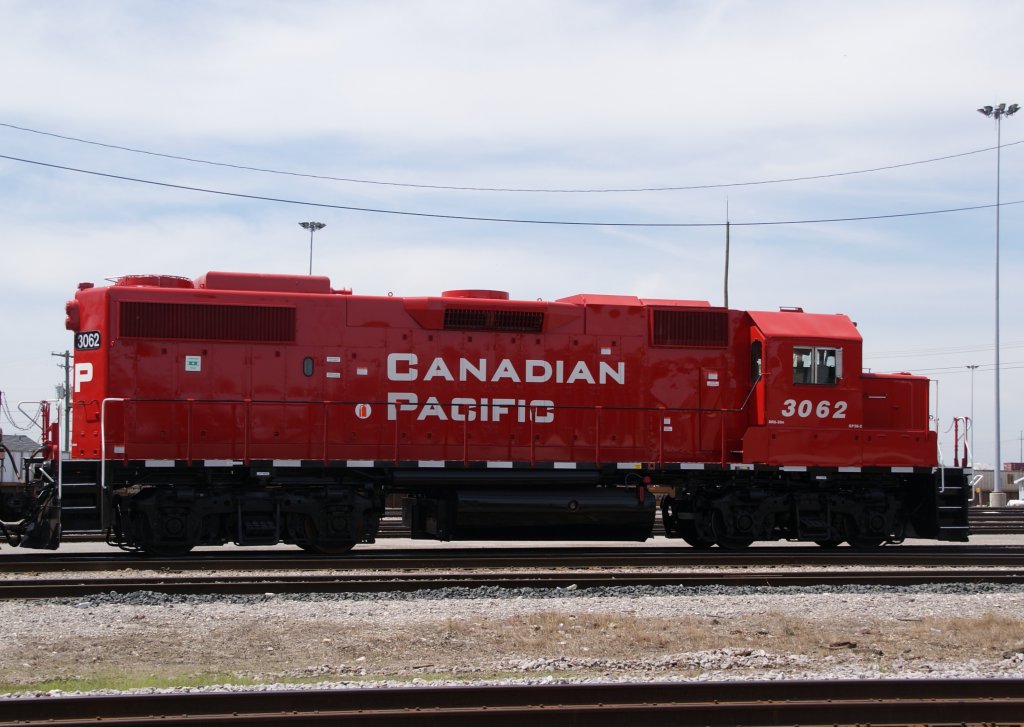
973	368
998	498
312	227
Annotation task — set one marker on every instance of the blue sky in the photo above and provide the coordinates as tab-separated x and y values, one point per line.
553	95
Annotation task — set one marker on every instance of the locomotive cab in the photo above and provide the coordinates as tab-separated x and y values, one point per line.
815	407
807	397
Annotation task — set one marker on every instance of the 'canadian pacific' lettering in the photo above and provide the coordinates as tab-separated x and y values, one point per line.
463	409
405	367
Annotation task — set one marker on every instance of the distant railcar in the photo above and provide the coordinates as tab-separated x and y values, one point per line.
260	409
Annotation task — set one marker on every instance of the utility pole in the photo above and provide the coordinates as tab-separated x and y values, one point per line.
726	283
67	396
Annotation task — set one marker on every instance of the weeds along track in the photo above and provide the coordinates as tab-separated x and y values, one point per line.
770	703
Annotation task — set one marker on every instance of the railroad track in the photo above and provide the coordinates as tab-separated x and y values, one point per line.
552	579
996	520
519	557
714	704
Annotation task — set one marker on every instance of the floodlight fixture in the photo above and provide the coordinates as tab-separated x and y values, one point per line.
312	227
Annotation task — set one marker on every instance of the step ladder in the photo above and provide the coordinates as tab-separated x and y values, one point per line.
952	500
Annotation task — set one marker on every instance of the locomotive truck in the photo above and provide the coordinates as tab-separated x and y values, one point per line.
259	409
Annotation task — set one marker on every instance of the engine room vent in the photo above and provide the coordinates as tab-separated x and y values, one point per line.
476	319
697	328
200	322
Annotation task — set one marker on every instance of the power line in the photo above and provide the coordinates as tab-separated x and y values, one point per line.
470	218
501	189
33	418
910	352
1011	366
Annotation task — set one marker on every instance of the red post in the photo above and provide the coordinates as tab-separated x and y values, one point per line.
956	441
967	426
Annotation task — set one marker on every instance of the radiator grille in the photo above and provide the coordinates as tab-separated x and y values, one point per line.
203	322
493	320
702	329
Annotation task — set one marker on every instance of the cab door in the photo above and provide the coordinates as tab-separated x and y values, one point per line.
758	377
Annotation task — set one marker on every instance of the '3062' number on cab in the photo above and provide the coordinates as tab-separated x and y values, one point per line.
821	410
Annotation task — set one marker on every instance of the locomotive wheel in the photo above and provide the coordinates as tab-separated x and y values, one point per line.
727	542
829	544
151	546
688	532
860	540
313	544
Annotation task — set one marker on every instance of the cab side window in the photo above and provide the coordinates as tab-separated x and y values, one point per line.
817	365
826	361
756	360
803	371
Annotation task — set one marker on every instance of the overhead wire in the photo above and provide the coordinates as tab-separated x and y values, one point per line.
452	187
511	220
1011	366
33	418
910	353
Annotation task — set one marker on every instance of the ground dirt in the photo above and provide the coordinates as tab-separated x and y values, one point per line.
278	640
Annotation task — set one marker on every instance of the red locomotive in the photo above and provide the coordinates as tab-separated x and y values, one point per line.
261	409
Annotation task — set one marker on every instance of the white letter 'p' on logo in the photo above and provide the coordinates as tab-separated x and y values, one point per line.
83	373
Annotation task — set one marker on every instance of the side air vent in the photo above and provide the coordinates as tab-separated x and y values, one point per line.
475	319
697	328
200	322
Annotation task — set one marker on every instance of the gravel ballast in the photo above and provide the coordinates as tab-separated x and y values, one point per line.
493	635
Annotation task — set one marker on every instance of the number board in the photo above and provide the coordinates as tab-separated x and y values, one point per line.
87	340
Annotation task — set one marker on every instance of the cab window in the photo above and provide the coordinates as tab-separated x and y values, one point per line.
817	365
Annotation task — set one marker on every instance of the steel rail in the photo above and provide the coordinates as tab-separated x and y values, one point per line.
996	520
406	582
588	557
714	704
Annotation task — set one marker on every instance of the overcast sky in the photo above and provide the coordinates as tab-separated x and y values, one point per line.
719	97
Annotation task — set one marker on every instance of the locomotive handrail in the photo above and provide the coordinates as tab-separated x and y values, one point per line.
103	440
753	387
247	403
